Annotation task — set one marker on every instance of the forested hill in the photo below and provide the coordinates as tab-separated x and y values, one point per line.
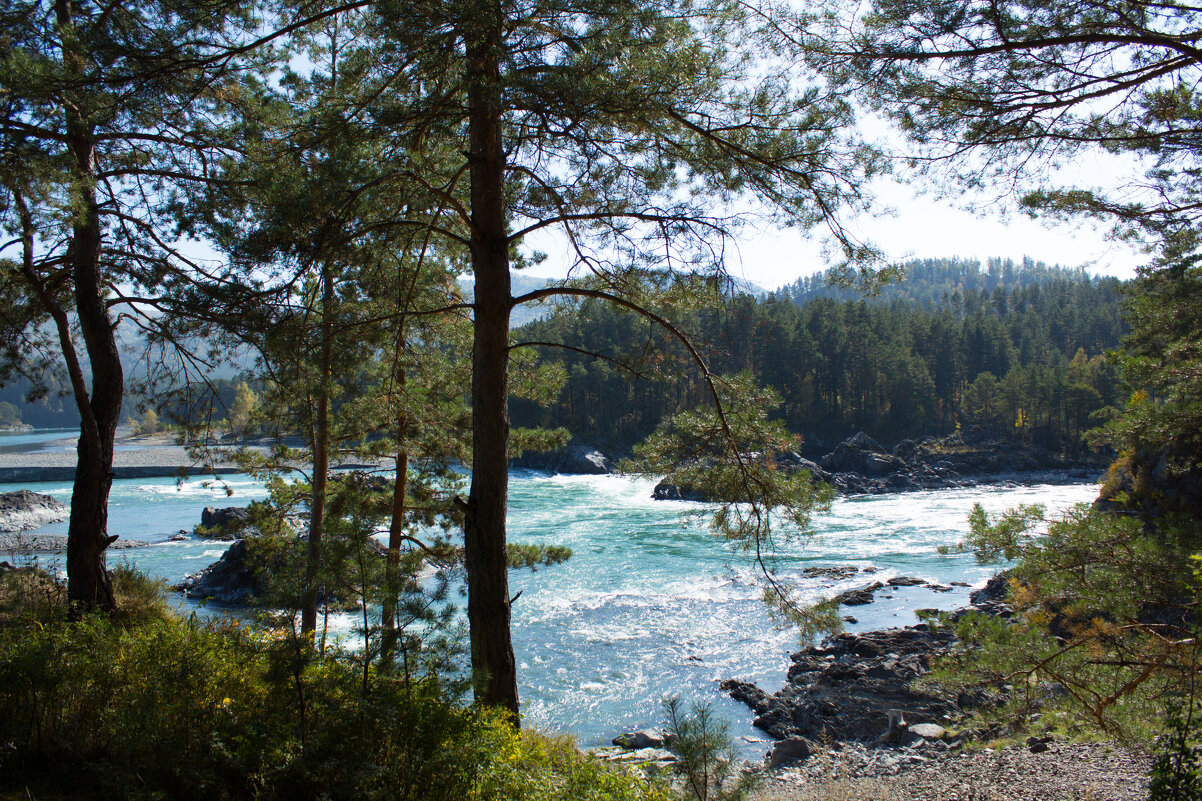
1018	349
933	282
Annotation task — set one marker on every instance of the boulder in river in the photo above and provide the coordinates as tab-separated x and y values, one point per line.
840	572
859	596
23	510
232	579
223	523
666	491
644	738
906	581
584	460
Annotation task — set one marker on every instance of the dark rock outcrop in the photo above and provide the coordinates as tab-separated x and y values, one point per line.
793	749
644	738
1153	484
859	596
853	454
859	688
846	688
583	460
838	572
666	491
906	581
232	579
23	510
861	466
993	598
239	577
225	523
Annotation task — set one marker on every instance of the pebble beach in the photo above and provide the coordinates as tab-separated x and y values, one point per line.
134	458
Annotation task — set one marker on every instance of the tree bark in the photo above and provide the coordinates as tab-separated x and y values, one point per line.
88	581
494	675
321	455
396	532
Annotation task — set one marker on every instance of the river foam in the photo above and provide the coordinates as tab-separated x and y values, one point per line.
651	604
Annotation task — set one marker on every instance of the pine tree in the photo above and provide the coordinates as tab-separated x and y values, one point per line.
104	110
630	128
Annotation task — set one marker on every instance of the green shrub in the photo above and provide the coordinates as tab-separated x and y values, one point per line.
706	757
1103	631
140	598
1177	766
151	705
534	767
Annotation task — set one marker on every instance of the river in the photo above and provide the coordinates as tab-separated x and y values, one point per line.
650	604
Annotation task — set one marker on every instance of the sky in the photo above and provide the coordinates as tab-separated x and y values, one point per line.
912	220
926	227
911	225
920	219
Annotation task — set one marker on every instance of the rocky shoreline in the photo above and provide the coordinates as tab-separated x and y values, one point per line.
135	457
23	510
858	465
861	466
154	461
860	688
582	460
1062	772
850	723
22	543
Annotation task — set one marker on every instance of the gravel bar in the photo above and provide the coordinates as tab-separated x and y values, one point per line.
23	543
151	462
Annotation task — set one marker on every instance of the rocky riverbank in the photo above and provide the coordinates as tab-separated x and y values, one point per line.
155	461
23	543
135	457
23	510
861	688
861	466
1061	772
585	460
850	724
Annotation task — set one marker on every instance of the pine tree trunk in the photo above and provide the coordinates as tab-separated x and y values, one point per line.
321	456
494	674
396	530
88	581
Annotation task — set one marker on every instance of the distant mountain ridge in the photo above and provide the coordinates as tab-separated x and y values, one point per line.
1016	349
932	283
929	283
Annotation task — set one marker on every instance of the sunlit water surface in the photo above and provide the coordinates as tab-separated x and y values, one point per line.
651	604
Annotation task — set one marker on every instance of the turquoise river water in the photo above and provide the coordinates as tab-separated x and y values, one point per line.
650	604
